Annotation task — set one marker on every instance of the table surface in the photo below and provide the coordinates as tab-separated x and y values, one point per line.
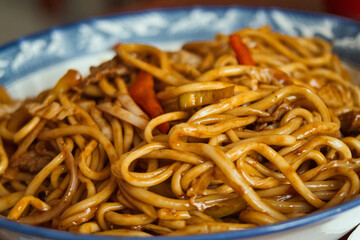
36	15
307	5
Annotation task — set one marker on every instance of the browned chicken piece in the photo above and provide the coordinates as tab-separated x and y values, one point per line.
111	68
350	123
276	113
7	109
30	161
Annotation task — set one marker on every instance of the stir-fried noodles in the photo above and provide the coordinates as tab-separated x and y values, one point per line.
237	132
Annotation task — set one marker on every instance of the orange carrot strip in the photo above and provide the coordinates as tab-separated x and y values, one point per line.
242	52
142	91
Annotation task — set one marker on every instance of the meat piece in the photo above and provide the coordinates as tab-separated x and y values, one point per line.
8	109
350	123
277	113
109	69
30	161
271	76
186	57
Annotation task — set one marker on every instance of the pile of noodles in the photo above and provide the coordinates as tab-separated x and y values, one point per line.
84	157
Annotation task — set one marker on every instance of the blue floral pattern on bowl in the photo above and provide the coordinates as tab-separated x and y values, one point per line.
31	53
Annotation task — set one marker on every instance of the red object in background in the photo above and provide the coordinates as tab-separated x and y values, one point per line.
52	6
347	8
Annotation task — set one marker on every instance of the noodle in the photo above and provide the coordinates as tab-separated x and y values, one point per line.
216	145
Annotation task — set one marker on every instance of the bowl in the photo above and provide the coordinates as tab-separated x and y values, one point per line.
34	63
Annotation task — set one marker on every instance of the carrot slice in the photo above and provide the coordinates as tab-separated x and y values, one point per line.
242	52
142	91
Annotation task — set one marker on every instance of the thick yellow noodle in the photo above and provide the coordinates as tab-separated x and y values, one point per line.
84	157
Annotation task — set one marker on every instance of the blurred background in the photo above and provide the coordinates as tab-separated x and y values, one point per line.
22	17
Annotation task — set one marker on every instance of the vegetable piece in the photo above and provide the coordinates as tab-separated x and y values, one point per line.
142	91
200	98
242	52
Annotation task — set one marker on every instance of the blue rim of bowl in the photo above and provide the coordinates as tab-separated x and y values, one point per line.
33	231
240	234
